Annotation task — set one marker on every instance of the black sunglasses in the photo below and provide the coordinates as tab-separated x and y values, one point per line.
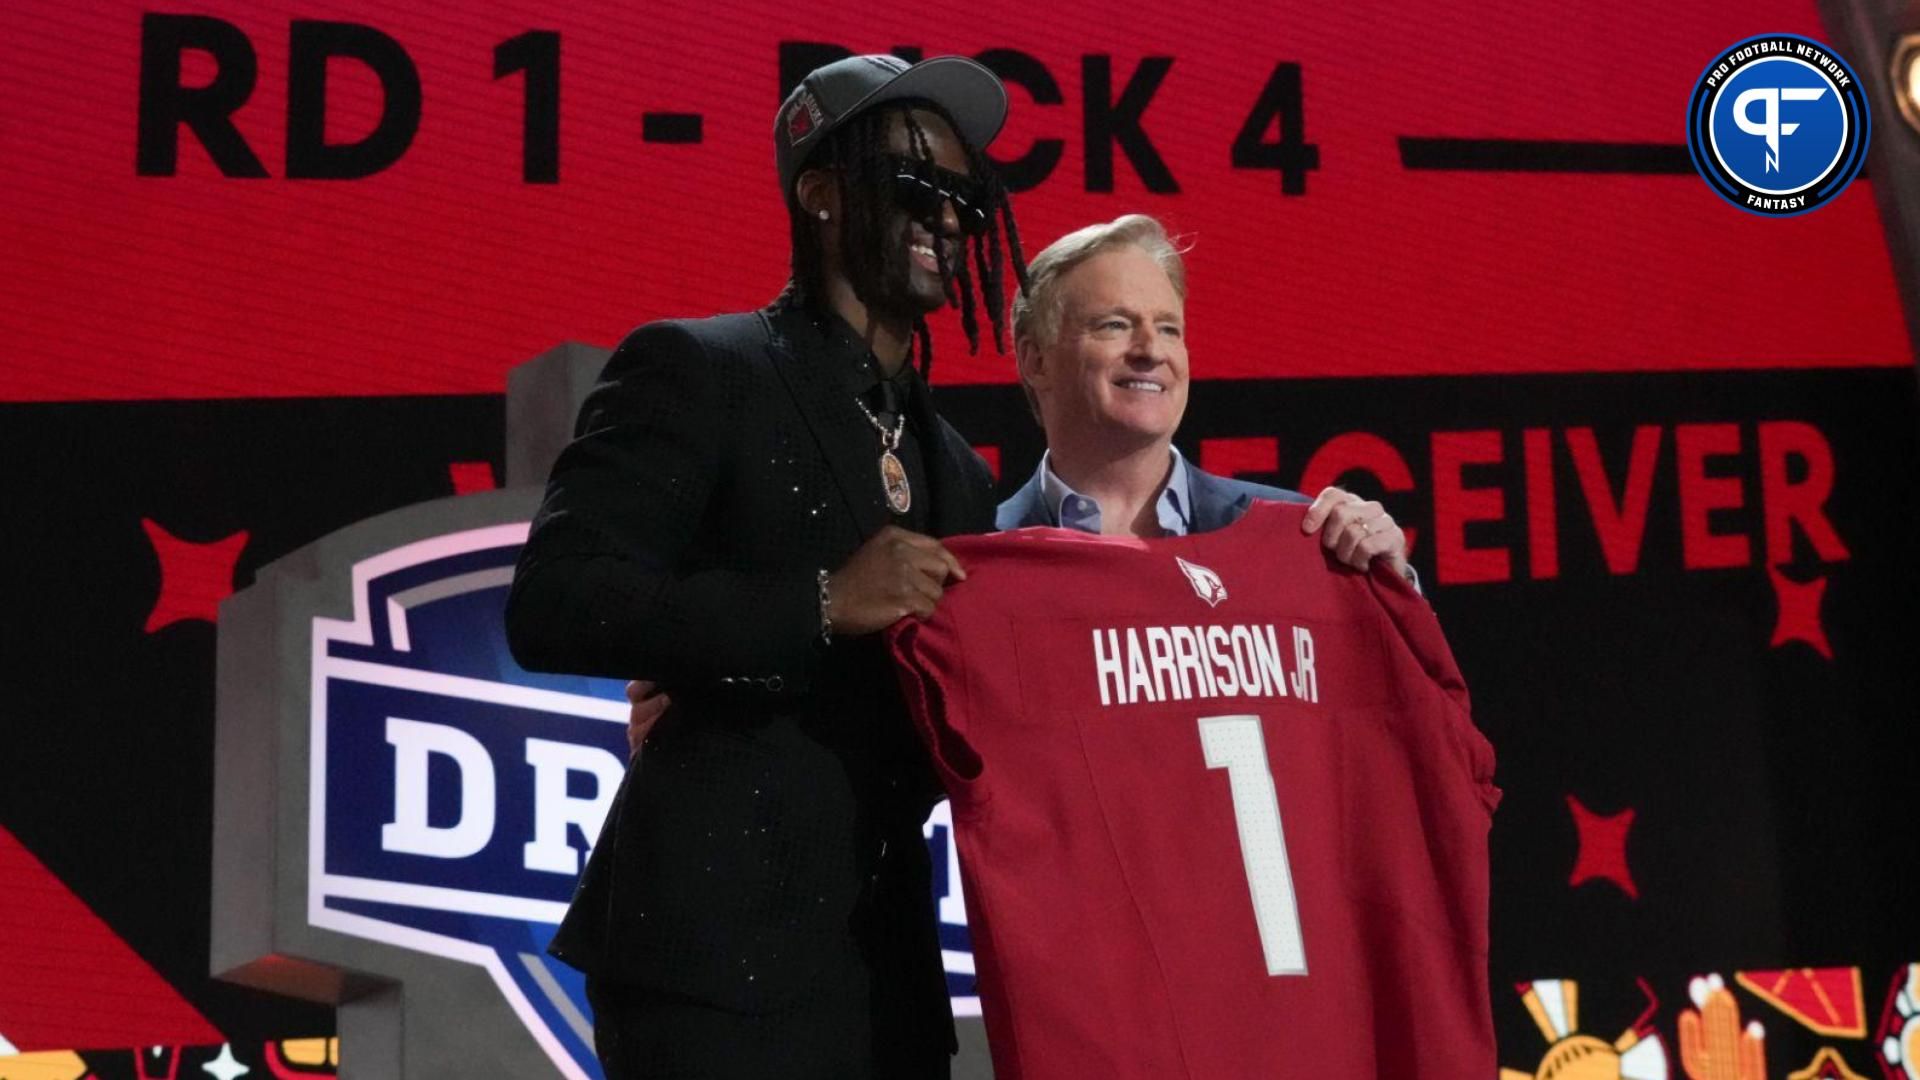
921	188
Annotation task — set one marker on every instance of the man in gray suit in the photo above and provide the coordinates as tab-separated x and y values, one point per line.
1101	338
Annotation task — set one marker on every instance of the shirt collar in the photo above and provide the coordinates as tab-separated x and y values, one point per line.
849	355
1069	509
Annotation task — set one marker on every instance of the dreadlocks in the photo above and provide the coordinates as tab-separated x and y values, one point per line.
857	154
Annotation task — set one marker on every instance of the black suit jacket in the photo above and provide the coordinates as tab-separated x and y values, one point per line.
718	465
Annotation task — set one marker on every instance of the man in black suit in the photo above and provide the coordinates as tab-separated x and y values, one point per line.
747	500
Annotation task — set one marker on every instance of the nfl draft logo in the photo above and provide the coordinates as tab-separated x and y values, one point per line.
1778	125
454	795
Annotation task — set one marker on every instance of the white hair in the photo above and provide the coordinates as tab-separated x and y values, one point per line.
1036	309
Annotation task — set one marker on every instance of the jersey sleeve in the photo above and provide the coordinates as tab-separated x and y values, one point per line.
933	677
1411	618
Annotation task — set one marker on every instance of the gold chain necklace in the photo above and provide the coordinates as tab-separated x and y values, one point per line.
893	475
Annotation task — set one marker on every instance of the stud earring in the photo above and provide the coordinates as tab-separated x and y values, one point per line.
824	215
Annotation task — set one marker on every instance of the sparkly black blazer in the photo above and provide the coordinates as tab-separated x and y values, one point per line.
717	466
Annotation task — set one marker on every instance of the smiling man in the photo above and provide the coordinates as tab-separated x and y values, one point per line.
748	499
1101	334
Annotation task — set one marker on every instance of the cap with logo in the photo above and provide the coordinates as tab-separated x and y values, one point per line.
831	95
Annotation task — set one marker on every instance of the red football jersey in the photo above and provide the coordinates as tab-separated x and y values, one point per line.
1221	810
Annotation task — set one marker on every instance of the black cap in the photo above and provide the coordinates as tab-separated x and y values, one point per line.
831	95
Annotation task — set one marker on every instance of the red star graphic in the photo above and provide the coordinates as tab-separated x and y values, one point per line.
1799	612
471	476
194	578
1603	848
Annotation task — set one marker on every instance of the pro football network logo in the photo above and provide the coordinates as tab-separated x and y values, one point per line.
1206	584
1778	125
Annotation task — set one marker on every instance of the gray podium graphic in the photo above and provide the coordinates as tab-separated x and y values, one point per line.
401	811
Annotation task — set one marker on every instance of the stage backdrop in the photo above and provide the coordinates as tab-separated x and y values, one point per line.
264	267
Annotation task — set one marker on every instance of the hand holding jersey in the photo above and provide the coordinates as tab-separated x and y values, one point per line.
1357	530
895	574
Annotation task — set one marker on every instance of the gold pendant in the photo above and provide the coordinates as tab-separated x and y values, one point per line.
893	480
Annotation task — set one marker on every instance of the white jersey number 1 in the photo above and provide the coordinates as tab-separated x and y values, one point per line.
1234	743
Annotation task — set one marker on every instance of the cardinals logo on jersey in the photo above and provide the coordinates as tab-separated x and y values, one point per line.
1206	584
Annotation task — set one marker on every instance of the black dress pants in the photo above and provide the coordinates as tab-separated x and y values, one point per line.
852	1024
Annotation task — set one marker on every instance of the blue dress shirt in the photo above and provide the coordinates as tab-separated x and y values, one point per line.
1072	510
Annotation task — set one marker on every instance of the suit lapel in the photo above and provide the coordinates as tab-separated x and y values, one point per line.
848	444
952	510
1215	505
